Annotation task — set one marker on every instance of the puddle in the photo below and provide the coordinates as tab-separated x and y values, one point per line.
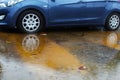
60	56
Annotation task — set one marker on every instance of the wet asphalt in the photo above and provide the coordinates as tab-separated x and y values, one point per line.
60	54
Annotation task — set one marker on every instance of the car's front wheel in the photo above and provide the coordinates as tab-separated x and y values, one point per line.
30	21
113	22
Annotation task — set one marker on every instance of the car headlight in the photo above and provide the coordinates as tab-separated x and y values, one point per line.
8	3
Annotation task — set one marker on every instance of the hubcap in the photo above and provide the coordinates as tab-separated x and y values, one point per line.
31	22
114	21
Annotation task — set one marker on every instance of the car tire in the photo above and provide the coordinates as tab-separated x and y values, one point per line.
30	21
113	22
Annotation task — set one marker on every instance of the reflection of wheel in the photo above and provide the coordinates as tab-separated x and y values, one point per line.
30	43
112	39
113	21
30	21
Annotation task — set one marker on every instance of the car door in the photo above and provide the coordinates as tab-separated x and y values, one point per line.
94	10
65	11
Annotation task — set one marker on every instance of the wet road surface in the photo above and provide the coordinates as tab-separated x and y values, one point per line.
60	55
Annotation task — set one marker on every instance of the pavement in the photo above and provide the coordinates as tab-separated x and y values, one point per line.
60	54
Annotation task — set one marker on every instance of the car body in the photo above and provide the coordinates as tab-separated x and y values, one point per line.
60	12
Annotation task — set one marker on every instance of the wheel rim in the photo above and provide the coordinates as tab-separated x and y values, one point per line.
31	22
114	21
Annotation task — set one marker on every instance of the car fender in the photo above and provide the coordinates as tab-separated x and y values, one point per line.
19	8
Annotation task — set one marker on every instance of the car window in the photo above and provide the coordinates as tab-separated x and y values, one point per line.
92	0
114	0
66	1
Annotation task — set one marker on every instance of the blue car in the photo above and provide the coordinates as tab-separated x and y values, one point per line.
31	16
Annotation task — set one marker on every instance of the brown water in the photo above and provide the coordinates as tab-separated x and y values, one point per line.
73	55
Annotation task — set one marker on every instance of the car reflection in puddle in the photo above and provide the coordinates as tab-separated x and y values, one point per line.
34	57
60	56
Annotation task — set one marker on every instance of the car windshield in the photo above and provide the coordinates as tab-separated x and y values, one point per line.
4	0
7	0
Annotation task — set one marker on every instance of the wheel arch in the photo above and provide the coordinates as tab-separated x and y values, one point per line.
31	8
107	18
114	11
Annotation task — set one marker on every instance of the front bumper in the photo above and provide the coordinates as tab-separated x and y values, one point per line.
12	13
4	16
8	15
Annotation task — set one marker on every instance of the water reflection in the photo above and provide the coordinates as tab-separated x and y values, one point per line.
34	56
38	49
112	40
30	43
45	52
99	51
59	55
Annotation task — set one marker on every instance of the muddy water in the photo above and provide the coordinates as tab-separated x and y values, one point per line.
72	55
